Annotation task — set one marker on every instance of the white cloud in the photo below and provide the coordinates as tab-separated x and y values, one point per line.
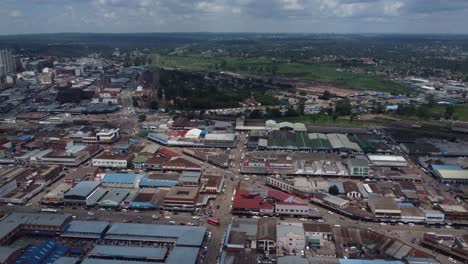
292	5
16	13
209	7
393	8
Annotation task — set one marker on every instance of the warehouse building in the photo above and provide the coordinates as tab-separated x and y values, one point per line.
384	208
114	197
38	222
181	198
387	161
121	180
85	229
81	192
450	173
358	167
56	196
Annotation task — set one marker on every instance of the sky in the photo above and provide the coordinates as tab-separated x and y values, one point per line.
307	16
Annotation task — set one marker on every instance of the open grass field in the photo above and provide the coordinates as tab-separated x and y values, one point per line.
461	111
328	120
325	73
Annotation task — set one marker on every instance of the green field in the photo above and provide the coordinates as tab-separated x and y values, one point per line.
325	73
328	120
461	111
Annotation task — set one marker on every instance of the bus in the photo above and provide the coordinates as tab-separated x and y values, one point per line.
48	210
212	221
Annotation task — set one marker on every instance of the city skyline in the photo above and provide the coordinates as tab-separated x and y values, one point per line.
288	16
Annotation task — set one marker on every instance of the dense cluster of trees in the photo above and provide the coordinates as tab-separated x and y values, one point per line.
189	90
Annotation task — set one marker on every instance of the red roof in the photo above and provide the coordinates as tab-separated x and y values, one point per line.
176	133
278	195
245	200
291	203
167	152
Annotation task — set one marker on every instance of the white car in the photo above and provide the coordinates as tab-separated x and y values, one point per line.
167	217
195	217
90	213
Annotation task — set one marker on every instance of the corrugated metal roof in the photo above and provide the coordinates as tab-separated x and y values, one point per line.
83	188
143	253
86	226
184	235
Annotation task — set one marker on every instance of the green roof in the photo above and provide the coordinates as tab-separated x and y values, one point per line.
140	159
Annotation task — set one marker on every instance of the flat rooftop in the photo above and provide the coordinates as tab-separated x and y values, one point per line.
181	235
133	253
89	227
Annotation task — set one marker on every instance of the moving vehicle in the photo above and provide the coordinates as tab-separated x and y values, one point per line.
48	210
212	221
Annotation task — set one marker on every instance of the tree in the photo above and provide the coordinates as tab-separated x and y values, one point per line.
291	112
449	111
326	95
333	190
160	94
430	99
256	114
334	117
343	107
142	118
154	105
134	102
301	107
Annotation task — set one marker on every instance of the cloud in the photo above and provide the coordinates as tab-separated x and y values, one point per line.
292	5
393	8
16	13
209	7
35	16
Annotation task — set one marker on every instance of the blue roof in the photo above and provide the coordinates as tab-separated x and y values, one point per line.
83	188
446	167
24	137
406	205
337	184
38	254
94	227
367	261
146	205
141	253
116	177
183	235
66	260
186	255
146	182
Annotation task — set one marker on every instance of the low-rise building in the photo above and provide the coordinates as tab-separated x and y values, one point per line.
181	198
358	167
290	238
433	217
107	160
293	209
335	201
316	234
80	193
411	214
387	161
266	235
384	208
56	196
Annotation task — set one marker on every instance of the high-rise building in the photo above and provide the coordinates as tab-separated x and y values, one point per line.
7	63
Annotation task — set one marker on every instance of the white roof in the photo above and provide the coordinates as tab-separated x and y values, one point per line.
224	137
386	158
193	133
